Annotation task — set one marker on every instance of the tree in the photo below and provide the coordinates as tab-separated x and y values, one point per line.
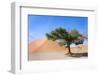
66	38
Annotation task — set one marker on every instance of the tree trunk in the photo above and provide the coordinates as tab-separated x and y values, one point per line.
69	50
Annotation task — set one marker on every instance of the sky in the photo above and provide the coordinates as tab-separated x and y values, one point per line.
39	25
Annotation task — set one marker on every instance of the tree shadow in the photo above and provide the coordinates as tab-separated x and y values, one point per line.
78	54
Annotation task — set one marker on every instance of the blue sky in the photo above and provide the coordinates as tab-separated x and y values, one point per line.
39	25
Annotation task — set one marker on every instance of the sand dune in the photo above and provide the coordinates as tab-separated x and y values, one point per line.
49	45
48	49
34	45
45	45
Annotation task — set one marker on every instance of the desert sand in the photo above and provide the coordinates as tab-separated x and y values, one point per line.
44	49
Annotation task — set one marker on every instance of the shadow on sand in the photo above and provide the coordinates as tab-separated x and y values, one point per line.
78	54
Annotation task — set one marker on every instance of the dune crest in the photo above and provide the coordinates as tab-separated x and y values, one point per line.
34	45
45	45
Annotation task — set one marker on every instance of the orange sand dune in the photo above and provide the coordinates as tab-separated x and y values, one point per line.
45	45
49	45
33	46
44	49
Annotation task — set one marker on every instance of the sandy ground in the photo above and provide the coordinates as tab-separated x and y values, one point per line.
50	56
44	49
